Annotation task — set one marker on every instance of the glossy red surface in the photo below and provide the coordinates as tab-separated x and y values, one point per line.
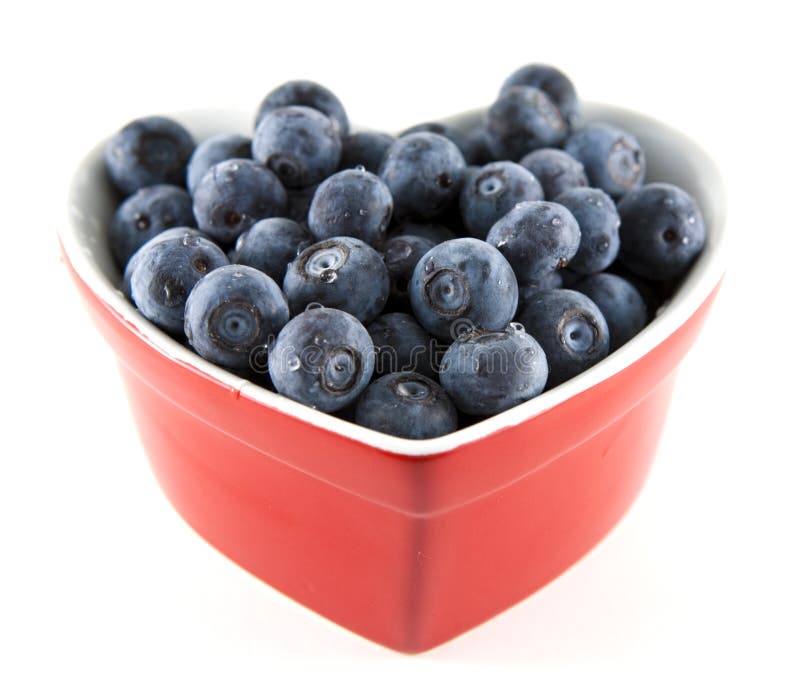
406	551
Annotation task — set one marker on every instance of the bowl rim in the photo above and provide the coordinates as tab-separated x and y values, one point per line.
703	277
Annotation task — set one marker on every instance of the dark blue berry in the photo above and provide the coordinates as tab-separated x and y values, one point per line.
570	328
355	203
401	254
556	171
323	358
402	345
299	144
214	150
554	83
536	237
125	285
623	307
424	172
487	372
271	245
407	405
232	313
342	272
453	134
144	215
612	157
233	195
653	292
522	119
306	93
662	231
462	284
365	149
146	152
599	223
477	152
492	191
165	271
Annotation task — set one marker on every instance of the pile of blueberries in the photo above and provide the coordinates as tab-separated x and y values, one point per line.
411	284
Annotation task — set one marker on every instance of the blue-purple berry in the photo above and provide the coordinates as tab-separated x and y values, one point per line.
570	328
341	272
232	314
233	195
536	237
522	119
145	214
355	203
555	170
408	405
599	223
165	271
148	151
492	191
323	358
487	372
301	145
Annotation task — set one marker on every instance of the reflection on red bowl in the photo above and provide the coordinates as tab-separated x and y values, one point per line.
408	543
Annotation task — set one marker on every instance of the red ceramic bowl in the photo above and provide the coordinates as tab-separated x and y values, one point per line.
408	543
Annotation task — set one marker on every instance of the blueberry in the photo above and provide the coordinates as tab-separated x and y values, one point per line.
146	152
355	203
212	151
323	358
402	345
172	233
165	271
599	223
233	195
401	254
556	171
492	191
522	119
654	293
232	314
550	281
424	172
310	94
536	237
448	131
463	283
487	372
478	152
271	245
612	157
407	405
299	144
144	215
365	149
554	83
662	231
434	232
622	306
570	328
343	273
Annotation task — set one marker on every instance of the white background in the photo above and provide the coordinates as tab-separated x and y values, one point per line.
103	586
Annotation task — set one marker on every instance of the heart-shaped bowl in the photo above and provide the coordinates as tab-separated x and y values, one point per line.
408	543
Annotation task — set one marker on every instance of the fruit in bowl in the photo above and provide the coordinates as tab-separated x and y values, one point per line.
404	539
